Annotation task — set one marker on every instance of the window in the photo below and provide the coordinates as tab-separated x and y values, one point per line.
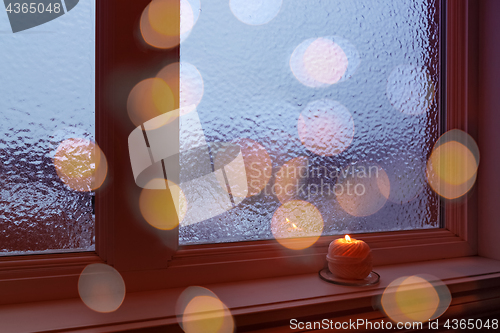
143	253
48	89
336	104
264	258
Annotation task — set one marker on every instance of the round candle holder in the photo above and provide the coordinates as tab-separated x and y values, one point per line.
372	279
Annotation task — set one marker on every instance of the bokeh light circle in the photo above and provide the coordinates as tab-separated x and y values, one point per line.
289	179
162	209
80	164
453	164
325	61
149	99
415	298
199	310
297	224
410	89
326	127
164	17
255	12
362	189
152	36
101	288
190	12
186	83
321	62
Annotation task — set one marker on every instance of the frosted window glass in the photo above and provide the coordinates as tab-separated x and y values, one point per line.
47	87
321	87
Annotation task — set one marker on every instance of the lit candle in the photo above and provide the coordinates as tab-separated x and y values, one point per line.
349	258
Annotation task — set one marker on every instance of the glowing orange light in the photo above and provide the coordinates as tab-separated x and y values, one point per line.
347	238
149	99
415	298
156	31
80	164
163	209
305	229
200	310
453	164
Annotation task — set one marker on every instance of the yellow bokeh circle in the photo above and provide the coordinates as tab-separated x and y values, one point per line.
416	298
297	224
199	310
161	208
80	164
453	164
149	99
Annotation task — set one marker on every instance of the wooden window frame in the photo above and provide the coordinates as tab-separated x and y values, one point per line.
148	259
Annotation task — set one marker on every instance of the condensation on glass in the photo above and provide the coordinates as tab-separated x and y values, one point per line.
319	95
47	85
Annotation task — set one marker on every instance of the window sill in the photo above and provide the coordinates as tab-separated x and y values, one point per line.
473	281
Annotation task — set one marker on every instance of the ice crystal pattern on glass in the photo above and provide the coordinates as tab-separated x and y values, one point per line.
368	68
47	96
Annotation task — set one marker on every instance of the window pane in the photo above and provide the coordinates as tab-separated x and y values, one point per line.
333	105
48	96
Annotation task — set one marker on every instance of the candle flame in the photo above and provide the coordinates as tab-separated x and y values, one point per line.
347	238
287	220
294	226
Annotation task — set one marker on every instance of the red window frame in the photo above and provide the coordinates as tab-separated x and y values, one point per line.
148	258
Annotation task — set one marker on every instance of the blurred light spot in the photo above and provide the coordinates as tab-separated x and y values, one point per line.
191	85
163	209
326	127
255	12
452	166
453	163
199	310
410	89
258	166
80	164
149	99
297	224
156	37
325	61
417	298
362	189
164	16
290	178
101	288
320	62
190	12
65	133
